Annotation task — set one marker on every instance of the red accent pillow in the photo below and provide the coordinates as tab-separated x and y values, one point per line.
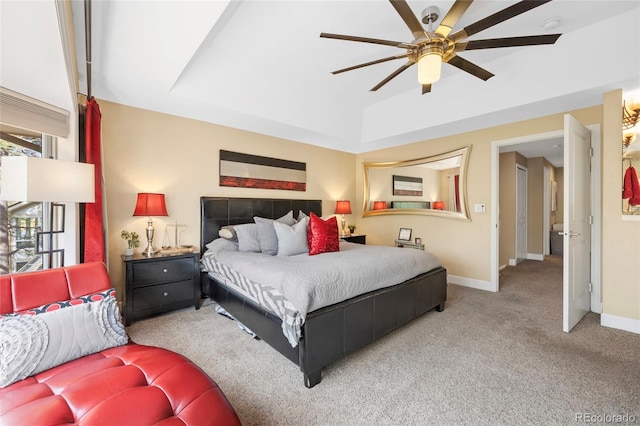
322	235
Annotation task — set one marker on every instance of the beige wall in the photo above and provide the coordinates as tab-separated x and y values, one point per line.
464	247
146	151
620	238
507	207
535	203
559	213
535	178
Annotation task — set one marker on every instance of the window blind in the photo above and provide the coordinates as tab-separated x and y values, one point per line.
25	112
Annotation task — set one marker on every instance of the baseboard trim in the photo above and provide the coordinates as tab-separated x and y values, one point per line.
621	323
534	256
470	282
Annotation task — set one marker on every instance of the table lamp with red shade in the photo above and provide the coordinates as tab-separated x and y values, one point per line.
150	204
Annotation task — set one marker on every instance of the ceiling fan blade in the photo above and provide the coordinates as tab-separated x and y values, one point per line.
409	18
453	16
507	42
391	76
469	67
426	88
368	40
497	18
366	64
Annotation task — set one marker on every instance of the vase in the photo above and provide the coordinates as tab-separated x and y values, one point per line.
128	252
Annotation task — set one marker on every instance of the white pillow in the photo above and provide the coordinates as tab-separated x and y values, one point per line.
248	237
267	234
292	239
228	233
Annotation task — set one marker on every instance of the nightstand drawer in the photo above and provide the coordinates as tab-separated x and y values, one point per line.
160	283
155	296
145	273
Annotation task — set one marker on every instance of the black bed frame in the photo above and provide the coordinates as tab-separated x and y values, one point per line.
329	333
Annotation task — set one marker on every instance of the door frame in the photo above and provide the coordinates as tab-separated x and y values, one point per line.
596	207
546	208
517	259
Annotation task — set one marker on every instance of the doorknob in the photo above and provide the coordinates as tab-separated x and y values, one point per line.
570	233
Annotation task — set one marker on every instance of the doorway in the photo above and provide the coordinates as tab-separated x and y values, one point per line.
596	304
521	213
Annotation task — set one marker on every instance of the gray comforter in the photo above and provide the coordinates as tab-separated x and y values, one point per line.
312	282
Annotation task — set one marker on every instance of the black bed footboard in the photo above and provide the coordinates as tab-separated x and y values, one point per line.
335	331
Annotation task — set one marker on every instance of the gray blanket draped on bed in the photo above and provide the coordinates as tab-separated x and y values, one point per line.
292	286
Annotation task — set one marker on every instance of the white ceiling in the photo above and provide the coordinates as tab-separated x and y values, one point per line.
261	65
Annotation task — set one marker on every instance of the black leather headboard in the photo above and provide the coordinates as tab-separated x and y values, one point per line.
216	212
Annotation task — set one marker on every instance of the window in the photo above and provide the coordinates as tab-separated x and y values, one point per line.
20	221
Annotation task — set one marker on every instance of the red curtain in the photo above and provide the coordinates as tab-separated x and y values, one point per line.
94	229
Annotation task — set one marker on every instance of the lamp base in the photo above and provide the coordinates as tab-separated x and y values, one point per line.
343	231
149	251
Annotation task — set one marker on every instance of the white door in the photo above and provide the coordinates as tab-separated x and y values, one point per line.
521	213
577	218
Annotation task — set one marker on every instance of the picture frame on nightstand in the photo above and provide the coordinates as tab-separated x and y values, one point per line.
404	234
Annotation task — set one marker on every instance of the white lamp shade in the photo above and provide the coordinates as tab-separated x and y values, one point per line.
45	179
429	67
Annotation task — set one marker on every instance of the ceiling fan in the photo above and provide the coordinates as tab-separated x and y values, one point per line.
430	48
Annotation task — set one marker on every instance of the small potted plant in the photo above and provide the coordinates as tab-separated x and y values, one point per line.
133	241
352	228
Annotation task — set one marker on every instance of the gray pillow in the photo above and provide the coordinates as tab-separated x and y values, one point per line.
302	215
267	234
221	244
248	238
292	239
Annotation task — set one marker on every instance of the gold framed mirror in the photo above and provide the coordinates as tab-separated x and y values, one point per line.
432	186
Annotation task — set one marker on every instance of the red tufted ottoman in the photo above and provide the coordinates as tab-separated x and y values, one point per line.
124	385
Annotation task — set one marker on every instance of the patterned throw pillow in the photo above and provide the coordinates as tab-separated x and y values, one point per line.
41	338
49	307
322	235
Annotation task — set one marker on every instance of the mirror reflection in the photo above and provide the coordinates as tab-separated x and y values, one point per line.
433	185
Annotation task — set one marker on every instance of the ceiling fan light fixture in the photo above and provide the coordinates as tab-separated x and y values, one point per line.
430	48
429	67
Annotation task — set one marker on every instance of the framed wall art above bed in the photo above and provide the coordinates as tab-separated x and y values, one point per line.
254	171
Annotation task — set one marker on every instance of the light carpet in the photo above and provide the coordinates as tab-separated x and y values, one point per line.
489	358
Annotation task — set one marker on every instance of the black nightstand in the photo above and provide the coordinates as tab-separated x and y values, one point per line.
160	283
355	238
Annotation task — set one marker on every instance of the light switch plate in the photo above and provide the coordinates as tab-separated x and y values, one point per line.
480	208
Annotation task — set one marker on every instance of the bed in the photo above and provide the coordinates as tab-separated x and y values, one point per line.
328	333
